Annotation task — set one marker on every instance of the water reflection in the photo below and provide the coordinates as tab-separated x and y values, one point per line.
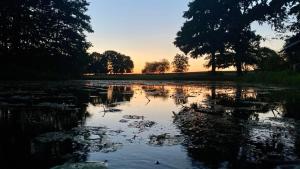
112	95
181	95
240	128
157	91
233	126
33	109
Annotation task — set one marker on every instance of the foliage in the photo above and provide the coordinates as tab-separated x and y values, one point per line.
292	49
157	67
97	63
221	29
292	45
180	63
110	62
119	63
43	36
269	60
204	32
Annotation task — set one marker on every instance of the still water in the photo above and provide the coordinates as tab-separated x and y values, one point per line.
148	125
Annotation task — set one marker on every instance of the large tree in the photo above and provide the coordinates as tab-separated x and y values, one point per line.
243	41
43	36
204	32
221	30
292	45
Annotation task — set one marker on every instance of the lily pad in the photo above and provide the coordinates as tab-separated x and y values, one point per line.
165	140
142	125
131	117
98	165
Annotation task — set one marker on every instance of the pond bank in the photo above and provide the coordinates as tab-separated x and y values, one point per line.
278	78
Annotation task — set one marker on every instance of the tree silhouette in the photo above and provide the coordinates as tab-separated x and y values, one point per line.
97	63
110	62
242	39
203	33
180	63
43	37
221	29
292	45
269	60
119	63
157	67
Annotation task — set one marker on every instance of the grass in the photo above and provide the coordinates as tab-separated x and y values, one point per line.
286	78
198	76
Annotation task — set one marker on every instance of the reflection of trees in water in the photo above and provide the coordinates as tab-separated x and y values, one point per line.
289	101
224	130
28	114
110	96
157	91
181	95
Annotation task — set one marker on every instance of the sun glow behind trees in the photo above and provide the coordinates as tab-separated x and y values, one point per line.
145	30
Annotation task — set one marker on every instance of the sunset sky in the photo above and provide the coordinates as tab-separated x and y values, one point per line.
146	29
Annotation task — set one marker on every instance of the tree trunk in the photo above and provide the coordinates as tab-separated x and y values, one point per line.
238	64
213	63
239	70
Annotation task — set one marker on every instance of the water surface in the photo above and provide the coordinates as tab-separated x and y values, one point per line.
144	124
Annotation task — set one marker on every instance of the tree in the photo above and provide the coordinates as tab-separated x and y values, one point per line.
203	33
97	63
269	60
110	62
292	45
119	63
41	37
180	63
157	67
220	30
164	66
292	49
242	40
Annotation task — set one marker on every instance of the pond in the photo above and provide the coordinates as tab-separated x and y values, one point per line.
148	125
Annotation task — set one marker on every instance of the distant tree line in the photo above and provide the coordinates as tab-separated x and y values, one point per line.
221	31
109	62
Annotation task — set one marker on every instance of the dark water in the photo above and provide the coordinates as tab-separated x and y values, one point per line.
171	125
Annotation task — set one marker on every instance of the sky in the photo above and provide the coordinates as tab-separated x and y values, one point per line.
145	30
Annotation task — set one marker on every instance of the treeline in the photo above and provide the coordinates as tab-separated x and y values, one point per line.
221	31
110	62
